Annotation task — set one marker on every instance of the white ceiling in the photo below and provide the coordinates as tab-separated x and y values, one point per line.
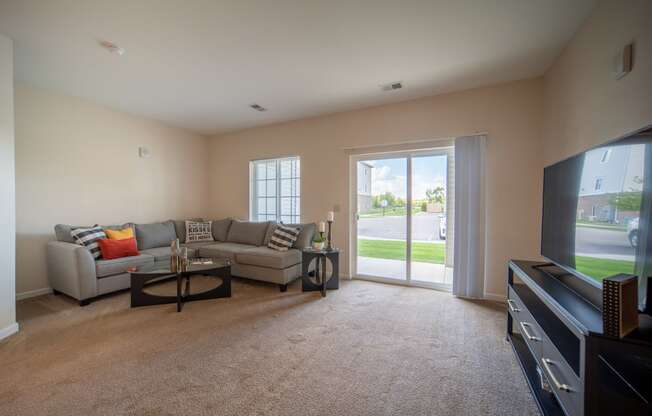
198	64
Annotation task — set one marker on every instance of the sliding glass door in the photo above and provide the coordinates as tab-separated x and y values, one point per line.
402	218
382	218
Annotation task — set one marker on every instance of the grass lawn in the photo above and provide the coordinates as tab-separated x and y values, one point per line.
603	225
389	212
395	250
598	269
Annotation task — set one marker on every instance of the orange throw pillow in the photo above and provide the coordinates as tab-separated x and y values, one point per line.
115	249
120	234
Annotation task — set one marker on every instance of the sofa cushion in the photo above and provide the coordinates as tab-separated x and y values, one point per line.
157	234
305	235
62	232
246	232
267	257
226	250
159	253
180	227
221	229
105	268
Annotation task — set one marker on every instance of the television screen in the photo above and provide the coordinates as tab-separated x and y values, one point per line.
596	207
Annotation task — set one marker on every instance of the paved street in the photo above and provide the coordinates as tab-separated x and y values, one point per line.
425	227
603	241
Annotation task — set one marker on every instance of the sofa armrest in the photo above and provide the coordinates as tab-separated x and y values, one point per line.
71	270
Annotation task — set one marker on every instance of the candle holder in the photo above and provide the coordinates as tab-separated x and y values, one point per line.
329	246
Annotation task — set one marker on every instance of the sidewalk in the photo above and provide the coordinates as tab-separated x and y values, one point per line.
395	269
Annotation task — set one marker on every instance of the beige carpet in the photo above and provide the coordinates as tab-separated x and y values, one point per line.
367	349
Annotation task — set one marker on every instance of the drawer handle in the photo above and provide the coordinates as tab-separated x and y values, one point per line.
560	386
524	327
512	308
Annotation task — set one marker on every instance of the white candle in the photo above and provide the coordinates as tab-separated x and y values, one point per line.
322	226
331	216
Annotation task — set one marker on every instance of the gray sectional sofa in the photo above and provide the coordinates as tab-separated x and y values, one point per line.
72	270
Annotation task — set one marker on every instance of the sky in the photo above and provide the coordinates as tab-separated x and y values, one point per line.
390	175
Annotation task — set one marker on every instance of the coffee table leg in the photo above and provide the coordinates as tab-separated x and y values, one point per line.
179	280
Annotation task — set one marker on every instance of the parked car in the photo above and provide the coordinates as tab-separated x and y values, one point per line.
632	232
442	227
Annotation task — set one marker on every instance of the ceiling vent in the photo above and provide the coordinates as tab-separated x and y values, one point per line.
392	86
112	47
258	107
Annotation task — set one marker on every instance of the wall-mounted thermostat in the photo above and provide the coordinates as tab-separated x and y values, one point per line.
144	152
624	61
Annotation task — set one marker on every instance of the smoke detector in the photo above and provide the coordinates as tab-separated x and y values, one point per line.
392	86
112	47
258	107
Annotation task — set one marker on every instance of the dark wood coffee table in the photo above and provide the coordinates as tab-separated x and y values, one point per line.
150	273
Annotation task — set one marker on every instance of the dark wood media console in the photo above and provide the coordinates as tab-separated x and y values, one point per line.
555	329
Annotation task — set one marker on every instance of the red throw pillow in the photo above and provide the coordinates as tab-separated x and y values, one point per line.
115	249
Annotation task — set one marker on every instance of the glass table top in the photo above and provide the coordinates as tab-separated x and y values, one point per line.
194	265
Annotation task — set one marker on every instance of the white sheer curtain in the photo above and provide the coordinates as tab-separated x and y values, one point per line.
469	232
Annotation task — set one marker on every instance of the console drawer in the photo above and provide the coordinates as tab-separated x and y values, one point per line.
527	326
562	379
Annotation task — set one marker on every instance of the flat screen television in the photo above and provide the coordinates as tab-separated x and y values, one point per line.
597	207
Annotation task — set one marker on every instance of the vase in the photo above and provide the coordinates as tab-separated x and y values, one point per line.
318	245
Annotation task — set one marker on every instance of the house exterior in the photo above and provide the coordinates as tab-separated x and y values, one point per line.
608	172
364	186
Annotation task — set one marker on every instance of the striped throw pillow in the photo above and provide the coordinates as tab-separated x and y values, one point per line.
283	238
88	237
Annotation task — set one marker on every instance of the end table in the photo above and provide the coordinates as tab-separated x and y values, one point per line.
321	281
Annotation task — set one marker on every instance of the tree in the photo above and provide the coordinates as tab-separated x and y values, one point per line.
436	195
387	196
626	201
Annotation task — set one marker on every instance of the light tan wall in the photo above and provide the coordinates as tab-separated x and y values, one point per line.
77	163
509	113
7	189
584	104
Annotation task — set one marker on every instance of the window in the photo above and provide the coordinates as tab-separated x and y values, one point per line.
275	190
598	184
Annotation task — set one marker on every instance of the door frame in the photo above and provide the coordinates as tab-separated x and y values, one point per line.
353	221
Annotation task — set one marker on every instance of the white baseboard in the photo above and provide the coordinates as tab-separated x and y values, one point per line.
8	331
33	293
495	297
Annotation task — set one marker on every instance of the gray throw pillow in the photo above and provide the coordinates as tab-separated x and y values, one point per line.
221	229
157	234
245	232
